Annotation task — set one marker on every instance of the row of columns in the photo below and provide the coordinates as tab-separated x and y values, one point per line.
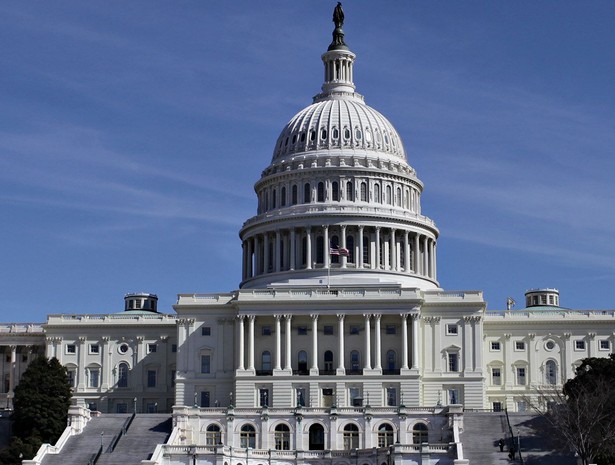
418	257
314	369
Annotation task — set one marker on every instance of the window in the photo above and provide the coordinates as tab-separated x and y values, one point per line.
521	376
521	406
495	346
122	375
451	329
122	407
551	372
579	345
351	437
550	345
71	349
282	437
302	330
519	345
72	375
94	349
293	195
123	348
453	362
453	396
266	331
605	344
307	193
213	435
497	406
206	331
316	437
391	396
349	191
385	435
151	348
496	376
420	433
93	377
377	193
302	362
266	361
205	399
354	329
328	330
390	329
300	394
320	192
151	378
335	191
355	361
283	197
328	361
390	360
205	363
173	348
356	399
363	192
263	397
247	437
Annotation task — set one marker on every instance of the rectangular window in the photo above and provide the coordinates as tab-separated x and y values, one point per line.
495	346
151	348
205	363
121	408
354	329
605	344
390	329
579	345
70	349
94	377
521	406
327	397
496	376
206	331
391	396
453	362
301	397
497	406
71	377
356	400
94	348
519	345
263	394
266	331
453	396
521	376
173	348
451	330
151	378
328	330
205	399
302	330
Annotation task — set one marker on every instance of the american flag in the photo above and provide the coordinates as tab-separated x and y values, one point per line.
339	251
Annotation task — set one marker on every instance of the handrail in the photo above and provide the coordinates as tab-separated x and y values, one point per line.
122	432
512	437
96	456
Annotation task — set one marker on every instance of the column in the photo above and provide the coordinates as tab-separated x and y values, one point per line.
241	342
340	352
257	256
416	254
377	260
406	252
288	330
251	342
425	257
266	263
393	251
404	341
293	249
368	343
415	341
308	248
314	368
12	371
278	343
82	362
244	261
435	261
378	345
276	253
327	245
343	258
250	270
359	255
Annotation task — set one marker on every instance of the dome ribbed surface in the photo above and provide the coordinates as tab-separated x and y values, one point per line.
338	123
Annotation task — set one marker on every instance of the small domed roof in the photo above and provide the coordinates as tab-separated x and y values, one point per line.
338	123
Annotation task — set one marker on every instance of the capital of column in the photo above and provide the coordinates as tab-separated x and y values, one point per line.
314	316
341	316
377	316
277	317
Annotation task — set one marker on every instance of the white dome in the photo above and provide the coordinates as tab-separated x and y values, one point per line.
338	123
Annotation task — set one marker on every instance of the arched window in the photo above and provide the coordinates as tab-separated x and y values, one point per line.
355	361
335	191
328	362
350	247
349	191
363	192
365	250
122	375
351	436
213	436
390	360
321	192
316	437
398	199
389	200
274	196
266	361
293	195
307	193
320	249
377	193
551	372
282	437
283	197
266	201
419	433
247	437
302	362
385	435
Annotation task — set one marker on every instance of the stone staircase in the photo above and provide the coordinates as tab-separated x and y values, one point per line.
139	442
79	449
482	430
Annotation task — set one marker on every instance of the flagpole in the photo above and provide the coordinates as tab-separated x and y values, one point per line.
329	274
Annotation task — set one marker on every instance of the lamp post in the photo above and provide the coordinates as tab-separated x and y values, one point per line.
192	452
134	405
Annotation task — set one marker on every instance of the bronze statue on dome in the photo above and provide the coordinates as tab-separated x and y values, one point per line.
338	34
338	15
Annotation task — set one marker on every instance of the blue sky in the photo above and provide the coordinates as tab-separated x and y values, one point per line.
131	134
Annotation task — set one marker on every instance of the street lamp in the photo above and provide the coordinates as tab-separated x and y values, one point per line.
192	451
134	405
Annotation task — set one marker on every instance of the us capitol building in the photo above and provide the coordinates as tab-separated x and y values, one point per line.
339	345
